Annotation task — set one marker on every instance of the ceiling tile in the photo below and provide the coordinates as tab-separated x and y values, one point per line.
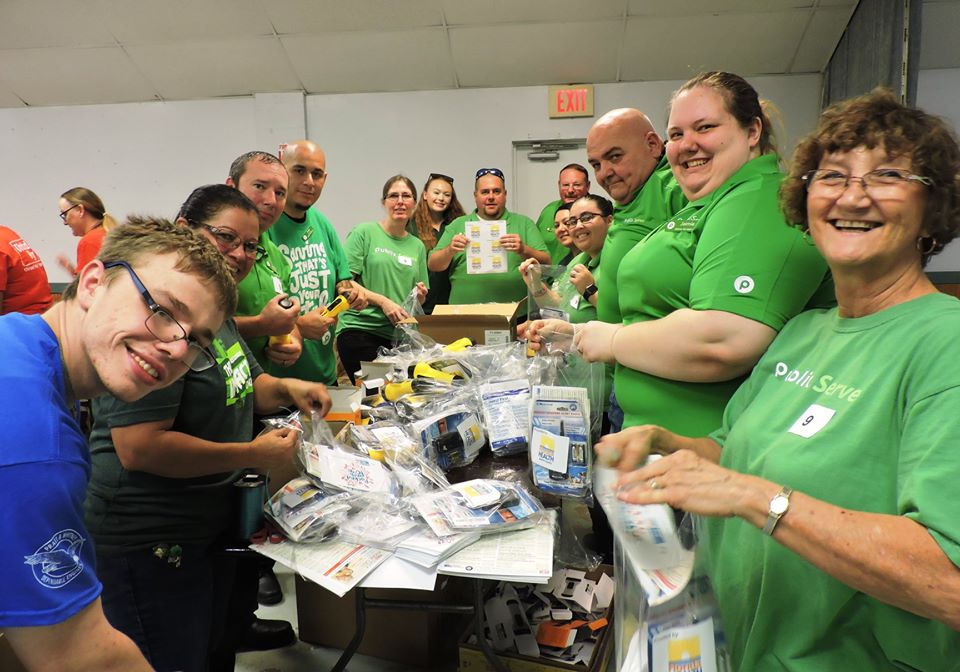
820	39
73	76
463	12
182	20
394	61
51	23
742	43
502	55
938	38
8	98
217	68
713	7
291	17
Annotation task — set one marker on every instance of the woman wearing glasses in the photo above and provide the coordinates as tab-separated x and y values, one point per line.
389	262
833	537
161	500
84	212
437	207
574	293
705	292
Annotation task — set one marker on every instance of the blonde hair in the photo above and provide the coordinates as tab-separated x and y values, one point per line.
91	203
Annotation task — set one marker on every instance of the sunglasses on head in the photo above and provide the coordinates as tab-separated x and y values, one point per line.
489	171
439	176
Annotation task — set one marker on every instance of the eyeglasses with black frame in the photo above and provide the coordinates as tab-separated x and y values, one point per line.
63	213
489	171
230	240
439	176
165	328
582	219
878	182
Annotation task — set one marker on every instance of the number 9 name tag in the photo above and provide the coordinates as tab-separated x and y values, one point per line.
812	420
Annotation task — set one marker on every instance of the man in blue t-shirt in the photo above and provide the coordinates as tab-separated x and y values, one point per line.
133	321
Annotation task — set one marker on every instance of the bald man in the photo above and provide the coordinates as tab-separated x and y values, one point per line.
628	161
319	269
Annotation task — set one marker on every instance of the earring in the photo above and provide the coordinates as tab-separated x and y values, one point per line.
926	246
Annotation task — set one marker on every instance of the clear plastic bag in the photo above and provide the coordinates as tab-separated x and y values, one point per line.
381	522
489	506
305	511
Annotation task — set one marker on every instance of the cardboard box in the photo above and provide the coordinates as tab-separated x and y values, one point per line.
416	638
472	658
485	323
346	404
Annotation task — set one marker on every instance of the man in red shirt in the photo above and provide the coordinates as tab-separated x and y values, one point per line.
24	287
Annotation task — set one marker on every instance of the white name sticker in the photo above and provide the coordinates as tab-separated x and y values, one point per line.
406	261
812	421
277	285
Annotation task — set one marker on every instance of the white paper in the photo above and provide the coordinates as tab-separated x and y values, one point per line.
398	573
549	450
523	555
477	493
334	565
484	252
346	471
683	648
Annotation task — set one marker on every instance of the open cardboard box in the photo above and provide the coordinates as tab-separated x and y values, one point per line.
473	660
485	323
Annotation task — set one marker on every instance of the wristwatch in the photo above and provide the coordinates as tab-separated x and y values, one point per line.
778	507
589	291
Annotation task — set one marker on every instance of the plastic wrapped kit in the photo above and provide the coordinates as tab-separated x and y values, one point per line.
305	511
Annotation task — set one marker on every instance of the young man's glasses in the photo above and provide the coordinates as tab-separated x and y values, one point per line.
63	213
165	328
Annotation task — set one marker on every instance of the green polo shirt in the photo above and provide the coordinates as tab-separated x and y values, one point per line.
545	227
658	199
490	287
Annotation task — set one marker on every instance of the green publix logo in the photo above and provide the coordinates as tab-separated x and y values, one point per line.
825	384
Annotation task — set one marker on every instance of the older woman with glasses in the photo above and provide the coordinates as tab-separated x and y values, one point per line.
832	537
437	207
161	500
389	262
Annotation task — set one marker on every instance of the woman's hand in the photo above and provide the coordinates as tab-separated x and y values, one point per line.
308	396
273	448
314	324
530	272
421	292
594	341
285	354
541	332
687	481
393	312
581	277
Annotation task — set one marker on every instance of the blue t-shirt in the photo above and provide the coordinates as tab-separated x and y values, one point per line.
46	559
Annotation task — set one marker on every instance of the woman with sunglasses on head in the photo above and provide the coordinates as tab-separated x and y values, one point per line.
389	262
437	207
832	536
84	212
704	294
161	500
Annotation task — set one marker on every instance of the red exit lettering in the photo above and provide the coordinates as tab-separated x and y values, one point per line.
571	100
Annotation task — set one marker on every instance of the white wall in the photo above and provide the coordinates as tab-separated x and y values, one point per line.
145	158
938	92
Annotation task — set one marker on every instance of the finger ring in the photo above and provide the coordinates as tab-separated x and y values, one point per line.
654	485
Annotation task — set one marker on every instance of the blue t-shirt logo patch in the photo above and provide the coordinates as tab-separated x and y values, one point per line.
57	562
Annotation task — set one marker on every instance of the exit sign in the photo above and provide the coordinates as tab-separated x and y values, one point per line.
570	101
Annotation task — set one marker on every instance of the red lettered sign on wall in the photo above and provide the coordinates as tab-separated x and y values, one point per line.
570	101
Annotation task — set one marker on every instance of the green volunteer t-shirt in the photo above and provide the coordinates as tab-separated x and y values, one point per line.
268	277
490	287
729	251
658	199
388	265
317	263
860	413
545	227
129	510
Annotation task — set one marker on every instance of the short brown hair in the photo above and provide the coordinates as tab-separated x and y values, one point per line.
879	119
142	237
